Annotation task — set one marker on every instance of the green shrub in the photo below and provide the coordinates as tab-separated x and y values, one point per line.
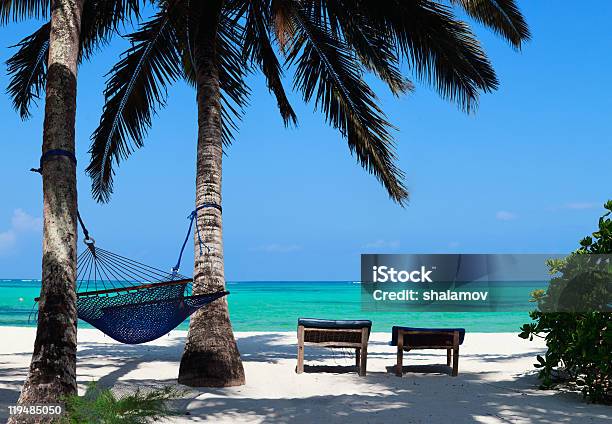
102	406
579	342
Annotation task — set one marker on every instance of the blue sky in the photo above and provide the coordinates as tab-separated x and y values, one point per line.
528	172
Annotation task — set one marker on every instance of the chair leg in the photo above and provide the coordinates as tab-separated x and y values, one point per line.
455	354
358	357
400	354
363	363
448	357
300	353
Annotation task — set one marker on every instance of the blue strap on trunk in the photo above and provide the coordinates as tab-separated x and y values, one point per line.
54	152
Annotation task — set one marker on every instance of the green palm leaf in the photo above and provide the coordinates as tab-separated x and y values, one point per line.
326	69
503	16
231	64
373	47
102	405
135	89
102	19
439	48
232	71
330	44
28	70
27	66
18	10
258	50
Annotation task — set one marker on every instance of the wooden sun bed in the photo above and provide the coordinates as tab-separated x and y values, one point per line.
334	334
408	338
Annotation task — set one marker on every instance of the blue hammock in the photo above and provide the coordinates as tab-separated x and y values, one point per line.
133	321
137	303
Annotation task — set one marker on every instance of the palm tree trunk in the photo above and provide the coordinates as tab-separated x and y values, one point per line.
53	368
211	356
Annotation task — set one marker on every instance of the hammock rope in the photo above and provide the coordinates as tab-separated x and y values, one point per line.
128	300
193	216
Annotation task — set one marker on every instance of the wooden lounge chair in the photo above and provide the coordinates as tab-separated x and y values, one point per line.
410	338
334	334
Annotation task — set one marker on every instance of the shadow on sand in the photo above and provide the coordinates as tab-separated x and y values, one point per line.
425	394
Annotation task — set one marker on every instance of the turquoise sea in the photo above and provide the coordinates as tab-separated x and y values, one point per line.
276	306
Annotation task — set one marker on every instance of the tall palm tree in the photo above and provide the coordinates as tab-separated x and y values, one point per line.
47	61
328	45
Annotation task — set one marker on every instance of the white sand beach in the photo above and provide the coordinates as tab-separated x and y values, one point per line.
496	382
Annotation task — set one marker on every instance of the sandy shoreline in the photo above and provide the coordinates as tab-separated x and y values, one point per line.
496	383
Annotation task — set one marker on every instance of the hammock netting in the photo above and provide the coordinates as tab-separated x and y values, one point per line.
130	301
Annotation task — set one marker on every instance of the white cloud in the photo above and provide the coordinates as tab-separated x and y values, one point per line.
383	244
7	240
277	248
580	205
505	216
21	222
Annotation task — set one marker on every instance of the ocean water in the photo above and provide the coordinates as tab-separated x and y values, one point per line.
276	306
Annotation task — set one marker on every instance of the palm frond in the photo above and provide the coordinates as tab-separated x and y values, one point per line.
185	26
231	64
282	22
102	405
134	91
28	70
503	16
102	18
28	65
18	10
373	47
258	49
440	48
232	71
327	70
